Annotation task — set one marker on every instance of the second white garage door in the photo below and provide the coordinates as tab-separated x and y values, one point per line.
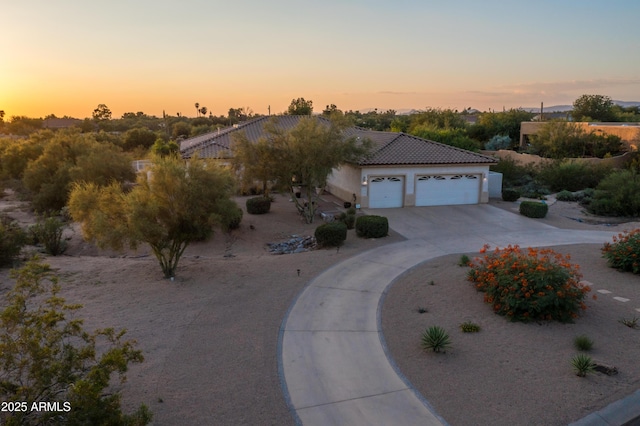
385	192
447	190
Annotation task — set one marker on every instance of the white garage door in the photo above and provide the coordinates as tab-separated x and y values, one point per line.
446	190
386	192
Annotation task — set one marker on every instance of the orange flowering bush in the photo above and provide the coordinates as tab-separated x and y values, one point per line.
624	253
538	284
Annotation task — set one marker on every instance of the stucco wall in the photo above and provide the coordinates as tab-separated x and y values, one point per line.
526	159
344	182
628	132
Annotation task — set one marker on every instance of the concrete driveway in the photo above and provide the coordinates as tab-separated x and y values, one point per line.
333	363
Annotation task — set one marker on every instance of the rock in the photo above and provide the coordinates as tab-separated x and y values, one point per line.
296	244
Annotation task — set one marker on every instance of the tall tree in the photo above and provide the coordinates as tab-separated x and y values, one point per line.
101	113
300	106
71	156
593	108
173	205
197	105
300	159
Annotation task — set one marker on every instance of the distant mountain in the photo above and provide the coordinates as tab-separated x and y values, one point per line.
565	108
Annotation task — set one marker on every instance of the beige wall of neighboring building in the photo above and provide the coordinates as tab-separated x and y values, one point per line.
628	132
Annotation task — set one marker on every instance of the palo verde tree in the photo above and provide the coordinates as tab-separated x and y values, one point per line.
46	356
172	205
302	158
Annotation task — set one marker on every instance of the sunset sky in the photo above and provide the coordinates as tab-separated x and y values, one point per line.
65	57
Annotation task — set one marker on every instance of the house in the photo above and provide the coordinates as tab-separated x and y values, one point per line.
402	170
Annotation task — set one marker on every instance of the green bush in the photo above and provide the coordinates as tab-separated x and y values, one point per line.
258	205
331	234
533	209
583	343
617	195
513	173
566	196
48	231
12	238
231	216
572	175
351	210
372	226
510	194
624	253
498	142
538	284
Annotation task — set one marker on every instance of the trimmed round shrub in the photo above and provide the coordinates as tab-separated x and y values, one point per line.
351	210
536	284
533	209
624	253
331	234
509	194
258	205
372	226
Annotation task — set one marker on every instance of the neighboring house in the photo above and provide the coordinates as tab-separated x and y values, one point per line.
402	170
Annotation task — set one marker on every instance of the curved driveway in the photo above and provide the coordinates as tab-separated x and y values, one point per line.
332	360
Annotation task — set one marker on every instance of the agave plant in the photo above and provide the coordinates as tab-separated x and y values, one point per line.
582	364
435	338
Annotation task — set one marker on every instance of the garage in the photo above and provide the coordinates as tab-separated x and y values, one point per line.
386	192
446	190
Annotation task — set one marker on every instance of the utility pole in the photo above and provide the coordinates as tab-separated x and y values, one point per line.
269	109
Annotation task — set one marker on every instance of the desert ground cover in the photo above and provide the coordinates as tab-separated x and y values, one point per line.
210	337
515	373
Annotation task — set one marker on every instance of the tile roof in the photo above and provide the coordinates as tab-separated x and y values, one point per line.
389	148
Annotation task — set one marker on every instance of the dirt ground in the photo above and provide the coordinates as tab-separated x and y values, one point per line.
210	337
514	373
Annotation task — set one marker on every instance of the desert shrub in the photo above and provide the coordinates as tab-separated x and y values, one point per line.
624	253
498	142
572	175
350	221
435	338
534	189
231	215
331	234
372	226
464	260
510	194
469	327
258	205
618	194
46	355
533	209
538	284
48	232
12	238
583	343
514	174
565	195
